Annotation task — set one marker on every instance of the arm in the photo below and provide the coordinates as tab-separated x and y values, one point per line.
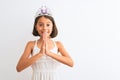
64	57
25	60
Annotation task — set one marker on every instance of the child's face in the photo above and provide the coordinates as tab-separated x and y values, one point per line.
44	25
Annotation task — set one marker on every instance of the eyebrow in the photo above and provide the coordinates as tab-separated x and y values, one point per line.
42	22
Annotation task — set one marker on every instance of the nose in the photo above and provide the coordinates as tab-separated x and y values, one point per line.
44	27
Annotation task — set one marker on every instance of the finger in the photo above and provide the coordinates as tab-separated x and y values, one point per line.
44	35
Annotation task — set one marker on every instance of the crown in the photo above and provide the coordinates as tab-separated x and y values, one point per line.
43	11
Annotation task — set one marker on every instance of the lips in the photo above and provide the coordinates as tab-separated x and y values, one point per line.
44	32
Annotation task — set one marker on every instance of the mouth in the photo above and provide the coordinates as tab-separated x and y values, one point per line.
44	32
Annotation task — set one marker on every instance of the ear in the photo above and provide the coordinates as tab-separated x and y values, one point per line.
35	27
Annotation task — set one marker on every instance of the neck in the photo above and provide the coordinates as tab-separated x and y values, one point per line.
41	38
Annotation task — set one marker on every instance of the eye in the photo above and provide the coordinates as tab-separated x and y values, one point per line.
40	25
48	25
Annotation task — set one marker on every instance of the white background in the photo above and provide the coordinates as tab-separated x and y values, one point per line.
89	30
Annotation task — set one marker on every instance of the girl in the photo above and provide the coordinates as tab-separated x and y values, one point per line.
42	54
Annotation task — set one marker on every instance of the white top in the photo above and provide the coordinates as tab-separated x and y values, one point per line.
45	68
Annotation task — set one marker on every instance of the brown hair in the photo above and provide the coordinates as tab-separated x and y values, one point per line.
54	30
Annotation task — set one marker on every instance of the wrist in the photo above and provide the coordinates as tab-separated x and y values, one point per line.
48	53
40	53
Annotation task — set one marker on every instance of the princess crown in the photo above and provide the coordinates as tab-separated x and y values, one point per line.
43	11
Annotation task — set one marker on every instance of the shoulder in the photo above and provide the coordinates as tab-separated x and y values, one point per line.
59	44
30	44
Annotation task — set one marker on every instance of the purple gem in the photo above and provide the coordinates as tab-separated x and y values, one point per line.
44	11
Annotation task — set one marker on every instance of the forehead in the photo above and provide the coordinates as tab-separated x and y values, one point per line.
44	19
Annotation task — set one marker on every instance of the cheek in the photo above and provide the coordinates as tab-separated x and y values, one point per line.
51	29
38	28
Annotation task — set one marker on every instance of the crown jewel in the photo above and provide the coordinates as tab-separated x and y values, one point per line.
43	11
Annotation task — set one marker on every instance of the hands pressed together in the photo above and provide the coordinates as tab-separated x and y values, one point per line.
44	46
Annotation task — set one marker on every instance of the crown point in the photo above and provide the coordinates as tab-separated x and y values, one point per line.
43	11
